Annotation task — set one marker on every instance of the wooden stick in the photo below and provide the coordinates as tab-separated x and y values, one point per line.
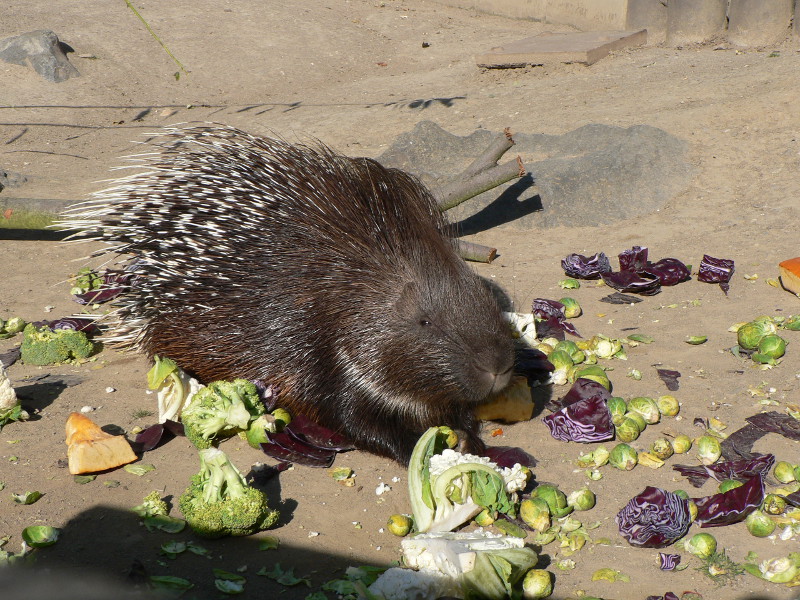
462	190
476	252
491	155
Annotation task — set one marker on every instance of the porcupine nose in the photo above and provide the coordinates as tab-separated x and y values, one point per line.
495	373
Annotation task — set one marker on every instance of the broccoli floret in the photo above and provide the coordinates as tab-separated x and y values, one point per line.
218	501
152	506
219	410
44	346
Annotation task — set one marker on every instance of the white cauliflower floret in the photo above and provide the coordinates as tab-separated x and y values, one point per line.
515	477
407	584
8	397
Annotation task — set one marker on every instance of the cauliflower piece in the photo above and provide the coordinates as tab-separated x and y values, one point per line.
407	584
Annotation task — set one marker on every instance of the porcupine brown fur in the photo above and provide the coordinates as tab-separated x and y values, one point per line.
294	265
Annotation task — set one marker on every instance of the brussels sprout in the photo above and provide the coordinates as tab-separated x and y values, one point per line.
796	473
555	498
535	513
635	374
627	431
15	325
759	524
618	408
779	570
399	525
571	308
729	484
646	407
668	405
594	474
594	373
682	494
569	284
750	334
483	518
708	449
792	323
537	583
784	472
605	347
692	510
576	354
545	349
681	444
551	341
563	363
623	457
637	418
701	545
773	346
773	504
662	448
282	415
583	499
596	458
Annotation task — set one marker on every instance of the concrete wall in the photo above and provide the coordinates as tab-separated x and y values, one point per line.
678	22
587	15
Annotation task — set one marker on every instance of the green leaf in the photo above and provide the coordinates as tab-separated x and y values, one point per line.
696	340
286	577
642	338
228	576
139	469
269	542
170	583
162	369
164	523
26	497
84	479
316	596
39	536
172	549
229	587
197	549
611	575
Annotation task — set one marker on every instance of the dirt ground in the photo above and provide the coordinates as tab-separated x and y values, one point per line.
348	72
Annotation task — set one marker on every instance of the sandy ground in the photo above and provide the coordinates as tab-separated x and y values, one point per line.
348	73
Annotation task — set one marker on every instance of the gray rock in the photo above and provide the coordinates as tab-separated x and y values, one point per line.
40	50
594	175
9	179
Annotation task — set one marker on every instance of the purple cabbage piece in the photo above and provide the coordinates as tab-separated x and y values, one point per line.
732	506
669	561
670	271
114	283
156	435
654	519
263	473
308	432
587	420
582	389
582	267
78	323
668	595
634	259
716	270
670	378
635	283
9	357
532	363
740	470
508	456
286	448
553	315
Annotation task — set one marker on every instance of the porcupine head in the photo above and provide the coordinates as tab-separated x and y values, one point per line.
327	275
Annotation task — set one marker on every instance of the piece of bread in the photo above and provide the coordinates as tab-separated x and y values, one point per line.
790	275
90	449
509	406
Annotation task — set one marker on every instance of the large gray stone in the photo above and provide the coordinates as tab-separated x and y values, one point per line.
41	51
594	175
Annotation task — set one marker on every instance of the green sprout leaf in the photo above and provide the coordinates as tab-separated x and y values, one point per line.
39	536
164	523
139	469
170	583
284	577
611	575
84	479
696	340
270	542
26	497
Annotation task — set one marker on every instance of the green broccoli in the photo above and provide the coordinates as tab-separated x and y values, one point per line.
44	346
152	506
218	501
220	410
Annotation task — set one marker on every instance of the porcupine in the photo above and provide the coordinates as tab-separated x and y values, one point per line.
329	276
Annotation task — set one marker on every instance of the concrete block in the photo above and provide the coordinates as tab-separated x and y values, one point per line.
759	22
694	21
650	15
553	48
